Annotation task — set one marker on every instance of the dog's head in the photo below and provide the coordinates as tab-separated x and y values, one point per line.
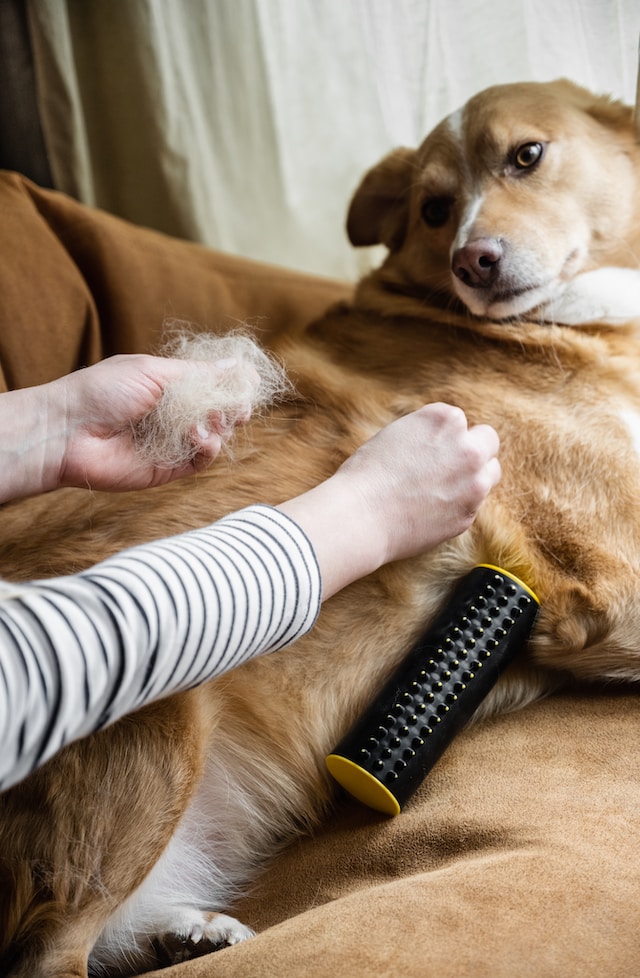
510	201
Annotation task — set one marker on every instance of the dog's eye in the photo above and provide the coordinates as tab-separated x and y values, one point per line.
435	211
528	155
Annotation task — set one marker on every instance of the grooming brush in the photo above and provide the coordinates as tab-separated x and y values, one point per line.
435	690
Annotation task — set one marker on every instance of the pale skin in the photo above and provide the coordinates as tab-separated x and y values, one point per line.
418	482
75	431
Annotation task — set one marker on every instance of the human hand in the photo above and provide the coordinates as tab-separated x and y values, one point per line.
101	402
422	479
416	483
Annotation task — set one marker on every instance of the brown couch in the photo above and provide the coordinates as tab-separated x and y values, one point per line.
520	855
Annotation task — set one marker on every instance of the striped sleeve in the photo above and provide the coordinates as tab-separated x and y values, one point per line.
78	652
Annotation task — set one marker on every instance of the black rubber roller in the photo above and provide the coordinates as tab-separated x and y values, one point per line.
436	689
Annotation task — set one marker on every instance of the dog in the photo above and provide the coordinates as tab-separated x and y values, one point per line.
510	288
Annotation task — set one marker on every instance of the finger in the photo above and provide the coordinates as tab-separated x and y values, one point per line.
223	422
249	376
494	472
485	437
485	481
243	414
208	443
444	414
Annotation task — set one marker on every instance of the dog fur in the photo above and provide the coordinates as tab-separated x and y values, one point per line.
511	288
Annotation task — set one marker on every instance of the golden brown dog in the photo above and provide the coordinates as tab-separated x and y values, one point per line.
511	289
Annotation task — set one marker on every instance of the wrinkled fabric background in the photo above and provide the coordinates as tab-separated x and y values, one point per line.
247	124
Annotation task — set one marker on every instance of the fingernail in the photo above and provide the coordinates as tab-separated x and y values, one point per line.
226	364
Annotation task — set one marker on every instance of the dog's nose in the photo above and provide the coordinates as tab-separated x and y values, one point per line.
477	264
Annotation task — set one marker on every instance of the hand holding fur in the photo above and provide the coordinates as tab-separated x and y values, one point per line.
198	411
134	421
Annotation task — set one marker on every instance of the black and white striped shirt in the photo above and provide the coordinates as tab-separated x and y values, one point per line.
78	652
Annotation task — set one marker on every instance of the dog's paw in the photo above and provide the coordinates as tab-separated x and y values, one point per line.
195	933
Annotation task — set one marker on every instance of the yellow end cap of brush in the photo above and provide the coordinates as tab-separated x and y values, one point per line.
362	785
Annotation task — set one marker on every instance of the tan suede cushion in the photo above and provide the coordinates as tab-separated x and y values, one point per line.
520	856
77	284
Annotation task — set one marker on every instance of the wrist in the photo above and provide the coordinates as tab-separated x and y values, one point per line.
338	519
33	427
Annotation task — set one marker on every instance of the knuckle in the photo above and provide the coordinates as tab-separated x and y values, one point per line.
446	414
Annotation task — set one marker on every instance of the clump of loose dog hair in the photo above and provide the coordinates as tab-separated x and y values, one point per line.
248	382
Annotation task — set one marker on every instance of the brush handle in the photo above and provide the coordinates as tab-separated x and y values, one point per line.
436	689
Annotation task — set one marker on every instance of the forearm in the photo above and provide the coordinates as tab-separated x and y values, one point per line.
79	652
342	529
31	442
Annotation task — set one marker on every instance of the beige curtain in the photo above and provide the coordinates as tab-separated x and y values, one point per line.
246	124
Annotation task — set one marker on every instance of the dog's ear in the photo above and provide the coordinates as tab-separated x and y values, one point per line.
379	208
607	111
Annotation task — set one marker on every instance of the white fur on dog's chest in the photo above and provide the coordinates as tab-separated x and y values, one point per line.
631	420
608	295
